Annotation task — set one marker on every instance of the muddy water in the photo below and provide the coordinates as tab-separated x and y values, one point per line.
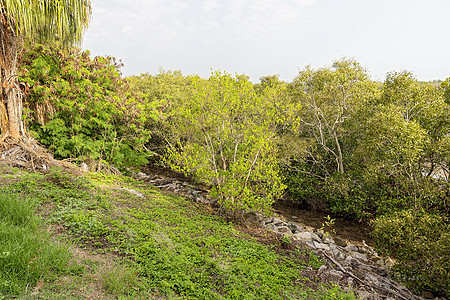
353	232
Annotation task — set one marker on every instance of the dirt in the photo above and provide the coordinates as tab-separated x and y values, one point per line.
351	231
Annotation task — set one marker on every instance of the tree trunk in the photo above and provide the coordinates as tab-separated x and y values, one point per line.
11	98
340	158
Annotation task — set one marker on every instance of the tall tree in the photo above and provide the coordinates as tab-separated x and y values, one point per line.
329	97
44	21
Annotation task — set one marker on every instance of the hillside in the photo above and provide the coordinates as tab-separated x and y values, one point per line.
115	238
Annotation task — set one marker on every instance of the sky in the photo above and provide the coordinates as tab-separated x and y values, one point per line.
267	37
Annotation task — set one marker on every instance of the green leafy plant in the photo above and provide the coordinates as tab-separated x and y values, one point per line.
420	242
81	108
226	138
328	223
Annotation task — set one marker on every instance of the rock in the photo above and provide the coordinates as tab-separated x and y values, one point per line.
84	167
351	248
372	278
321	246
349	261
319	232
363	294
337	275
350	283
358	255
389	262
271	227
340	242
309	228
427	294
328	240
311	244
304	236
295	228
131	191
284	230
268	221
338	254
364	267
315	238
322	269
276	221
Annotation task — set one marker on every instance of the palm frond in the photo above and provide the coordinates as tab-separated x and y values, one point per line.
48	20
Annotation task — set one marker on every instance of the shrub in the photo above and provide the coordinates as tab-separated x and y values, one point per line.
226	137
81	107
420	242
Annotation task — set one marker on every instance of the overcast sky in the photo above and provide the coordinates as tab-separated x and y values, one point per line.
266	37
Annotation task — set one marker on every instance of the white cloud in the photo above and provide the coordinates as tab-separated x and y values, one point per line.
166	23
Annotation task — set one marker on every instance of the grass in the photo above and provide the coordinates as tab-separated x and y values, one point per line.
26	255
123	246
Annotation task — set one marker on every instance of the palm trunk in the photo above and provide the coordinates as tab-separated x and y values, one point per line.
12	123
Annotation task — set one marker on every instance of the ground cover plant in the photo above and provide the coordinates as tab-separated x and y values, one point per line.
167	246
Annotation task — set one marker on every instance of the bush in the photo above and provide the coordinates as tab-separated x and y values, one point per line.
226	137
81	108
420	242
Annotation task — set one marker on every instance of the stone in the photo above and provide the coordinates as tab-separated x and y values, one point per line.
358	255
277	221
84	167
314	237
389	262
131	191
295	228
362	294
372	278
351	248
340	242
311	244
427	295
272	227
350	283
337	275
364	267
284	230
321	246
338	254
268	221
309	228
322	269
304	236
328	240
333	246
349	260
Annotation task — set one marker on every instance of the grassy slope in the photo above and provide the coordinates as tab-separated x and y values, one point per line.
130	241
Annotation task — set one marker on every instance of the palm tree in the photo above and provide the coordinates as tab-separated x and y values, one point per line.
43	21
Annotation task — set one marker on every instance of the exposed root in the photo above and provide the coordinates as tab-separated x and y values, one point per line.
28	154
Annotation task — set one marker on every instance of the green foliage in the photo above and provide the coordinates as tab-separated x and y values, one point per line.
226	137
445	85
172	248
169	89
79	107
330	96
420	242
